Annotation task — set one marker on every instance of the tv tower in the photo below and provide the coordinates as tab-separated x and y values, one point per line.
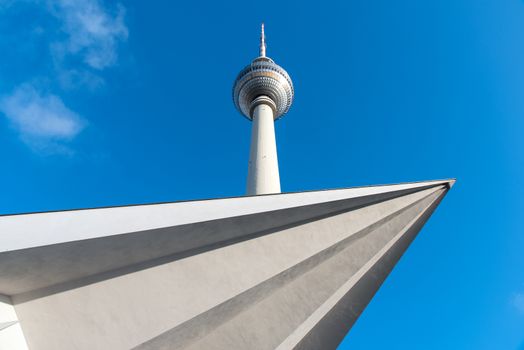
263	92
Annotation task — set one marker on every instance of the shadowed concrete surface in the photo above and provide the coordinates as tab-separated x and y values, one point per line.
278	271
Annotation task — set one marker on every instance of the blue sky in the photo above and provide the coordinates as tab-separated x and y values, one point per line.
109	103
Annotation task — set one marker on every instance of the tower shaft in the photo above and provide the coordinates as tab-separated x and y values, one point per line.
263	176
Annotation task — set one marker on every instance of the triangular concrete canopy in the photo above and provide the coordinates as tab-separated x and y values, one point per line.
280	271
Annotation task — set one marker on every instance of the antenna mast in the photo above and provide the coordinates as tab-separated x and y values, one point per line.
262	42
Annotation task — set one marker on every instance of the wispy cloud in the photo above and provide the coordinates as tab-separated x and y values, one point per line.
517	301
74	78
84	41
42	120
91	31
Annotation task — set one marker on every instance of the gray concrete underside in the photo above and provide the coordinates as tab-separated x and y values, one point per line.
296	277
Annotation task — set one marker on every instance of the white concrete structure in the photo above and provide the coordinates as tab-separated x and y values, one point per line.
263	92
263	176
284	271
11	336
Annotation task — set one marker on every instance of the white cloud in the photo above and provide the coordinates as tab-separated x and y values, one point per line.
518	302
85	43
91	31
42	120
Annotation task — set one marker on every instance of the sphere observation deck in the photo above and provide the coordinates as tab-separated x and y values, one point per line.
263	77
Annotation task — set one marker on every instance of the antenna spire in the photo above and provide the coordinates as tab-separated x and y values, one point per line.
262	42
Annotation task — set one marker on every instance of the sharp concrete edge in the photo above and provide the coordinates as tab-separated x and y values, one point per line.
329	305
334	325
207	322
271	320
23	231
4	325
64	266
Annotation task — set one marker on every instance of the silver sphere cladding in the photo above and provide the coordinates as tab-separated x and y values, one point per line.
263	77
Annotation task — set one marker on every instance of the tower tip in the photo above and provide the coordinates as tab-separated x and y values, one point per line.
262	41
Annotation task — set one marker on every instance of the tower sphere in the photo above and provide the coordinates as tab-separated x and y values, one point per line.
263	77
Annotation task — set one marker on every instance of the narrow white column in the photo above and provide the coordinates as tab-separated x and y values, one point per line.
11	336
263	177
